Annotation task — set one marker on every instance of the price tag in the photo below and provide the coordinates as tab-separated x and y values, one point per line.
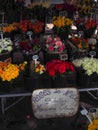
29	33
81	34
3	24
84	112
35	57
92	53
63	13
1	33
92	110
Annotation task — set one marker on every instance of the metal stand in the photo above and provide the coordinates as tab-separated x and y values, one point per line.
5	96
89	91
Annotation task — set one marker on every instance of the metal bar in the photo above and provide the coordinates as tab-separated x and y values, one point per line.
88	89
14	103
2	105
92	95
15	95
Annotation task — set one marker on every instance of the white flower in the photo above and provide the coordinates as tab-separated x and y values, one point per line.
90	65
9	48
5	45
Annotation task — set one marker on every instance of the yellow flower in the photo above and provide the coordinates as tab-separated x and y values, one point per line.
9	71
94	125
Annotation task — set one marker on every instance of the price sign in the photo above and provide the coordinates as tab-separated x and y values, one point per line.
3	24
49	103
63	13
92	110
1	34
35	57
92	53
29	33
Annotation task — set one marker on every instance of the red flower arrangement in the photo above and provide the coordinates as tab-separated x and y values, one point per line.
87	25
29	47
36	26
59	68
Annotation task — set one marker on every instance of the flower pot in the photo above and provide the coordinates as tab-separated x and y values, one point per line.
5	86
6	56
48	56
31	83
61	82
90	81
37	81
45	80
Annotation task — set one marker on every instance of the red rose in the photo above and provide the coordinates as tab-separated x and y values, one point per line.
51	72
62	68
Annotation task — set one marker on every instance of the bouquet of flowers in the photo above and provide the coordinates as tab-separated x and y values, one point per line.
36	26
80	43
54	44
88	26
10	71
36	69
89	65
59	68
29	46
6	45
10	28
62	26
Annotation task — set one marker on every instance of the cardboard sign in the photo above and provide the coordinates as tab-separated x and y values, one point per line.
49	103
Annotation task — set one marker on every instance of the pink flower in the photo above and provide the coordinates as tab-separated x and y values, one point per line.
51	48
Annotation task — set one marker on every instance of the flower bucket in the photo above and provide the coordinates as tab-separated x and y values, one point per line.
37	82
6	56
48	56
90	81
68	81
5	86
31	83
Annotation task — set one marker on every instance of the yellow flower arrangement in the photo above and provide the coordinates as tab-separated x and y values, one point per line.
60	21
36	69
10	71
93	125
62	26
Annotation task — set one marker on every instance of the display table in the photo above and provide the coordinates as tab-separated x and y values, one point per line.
22	94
